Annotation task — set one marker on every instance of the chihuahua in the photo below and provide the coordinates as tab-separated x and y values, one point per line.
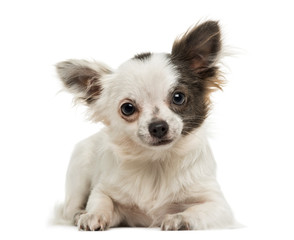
151	164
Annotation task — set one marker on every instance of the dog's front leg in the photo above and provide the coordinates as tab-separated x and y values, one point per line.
99	212
207	215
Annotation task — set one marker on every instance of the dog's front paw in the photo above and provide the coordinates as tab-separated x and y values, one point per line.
175	222
93	222
77	217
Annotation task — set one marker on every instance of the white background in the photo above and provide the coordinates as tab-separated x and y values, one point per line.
252	122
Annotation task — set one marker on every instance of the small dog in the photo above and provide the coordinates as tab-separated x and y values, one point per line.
151	164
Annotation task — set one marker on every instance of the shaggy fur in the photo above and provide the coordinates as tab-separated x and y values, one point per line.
151	165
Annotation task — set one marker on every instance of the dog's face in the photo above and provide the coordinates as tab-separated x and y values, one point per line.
144	100
152	99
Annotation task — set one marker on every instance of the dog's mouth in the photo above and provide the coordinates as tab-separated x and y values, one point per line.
155	142
161	142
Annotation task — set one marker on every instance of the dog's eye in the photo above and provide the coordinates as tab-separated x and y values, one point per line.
128	109
178	98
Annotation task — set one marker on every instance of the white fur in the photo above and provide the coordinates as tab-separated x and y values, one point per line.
114	176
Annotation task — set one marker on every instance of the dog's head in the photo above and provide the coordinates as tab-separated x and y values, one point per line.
152	99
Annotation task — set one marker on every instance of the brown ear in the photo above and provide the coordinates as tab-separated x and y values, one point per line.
199	48
82	78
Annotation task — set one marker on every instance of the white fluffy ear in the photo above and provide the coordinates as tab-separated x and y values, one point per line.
82	78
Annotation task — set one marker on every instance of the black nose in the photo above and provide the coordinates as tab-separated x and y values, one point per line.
158	129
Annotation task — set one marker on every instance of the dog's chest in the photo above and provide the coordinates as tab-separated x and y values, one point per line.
148	187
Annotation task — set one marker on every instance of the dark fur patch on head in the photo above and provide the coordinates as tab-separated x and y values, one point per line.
143	56
194	57
195	109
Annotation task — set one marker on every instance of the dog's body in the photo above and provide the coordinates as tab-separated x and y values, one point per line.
151	165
